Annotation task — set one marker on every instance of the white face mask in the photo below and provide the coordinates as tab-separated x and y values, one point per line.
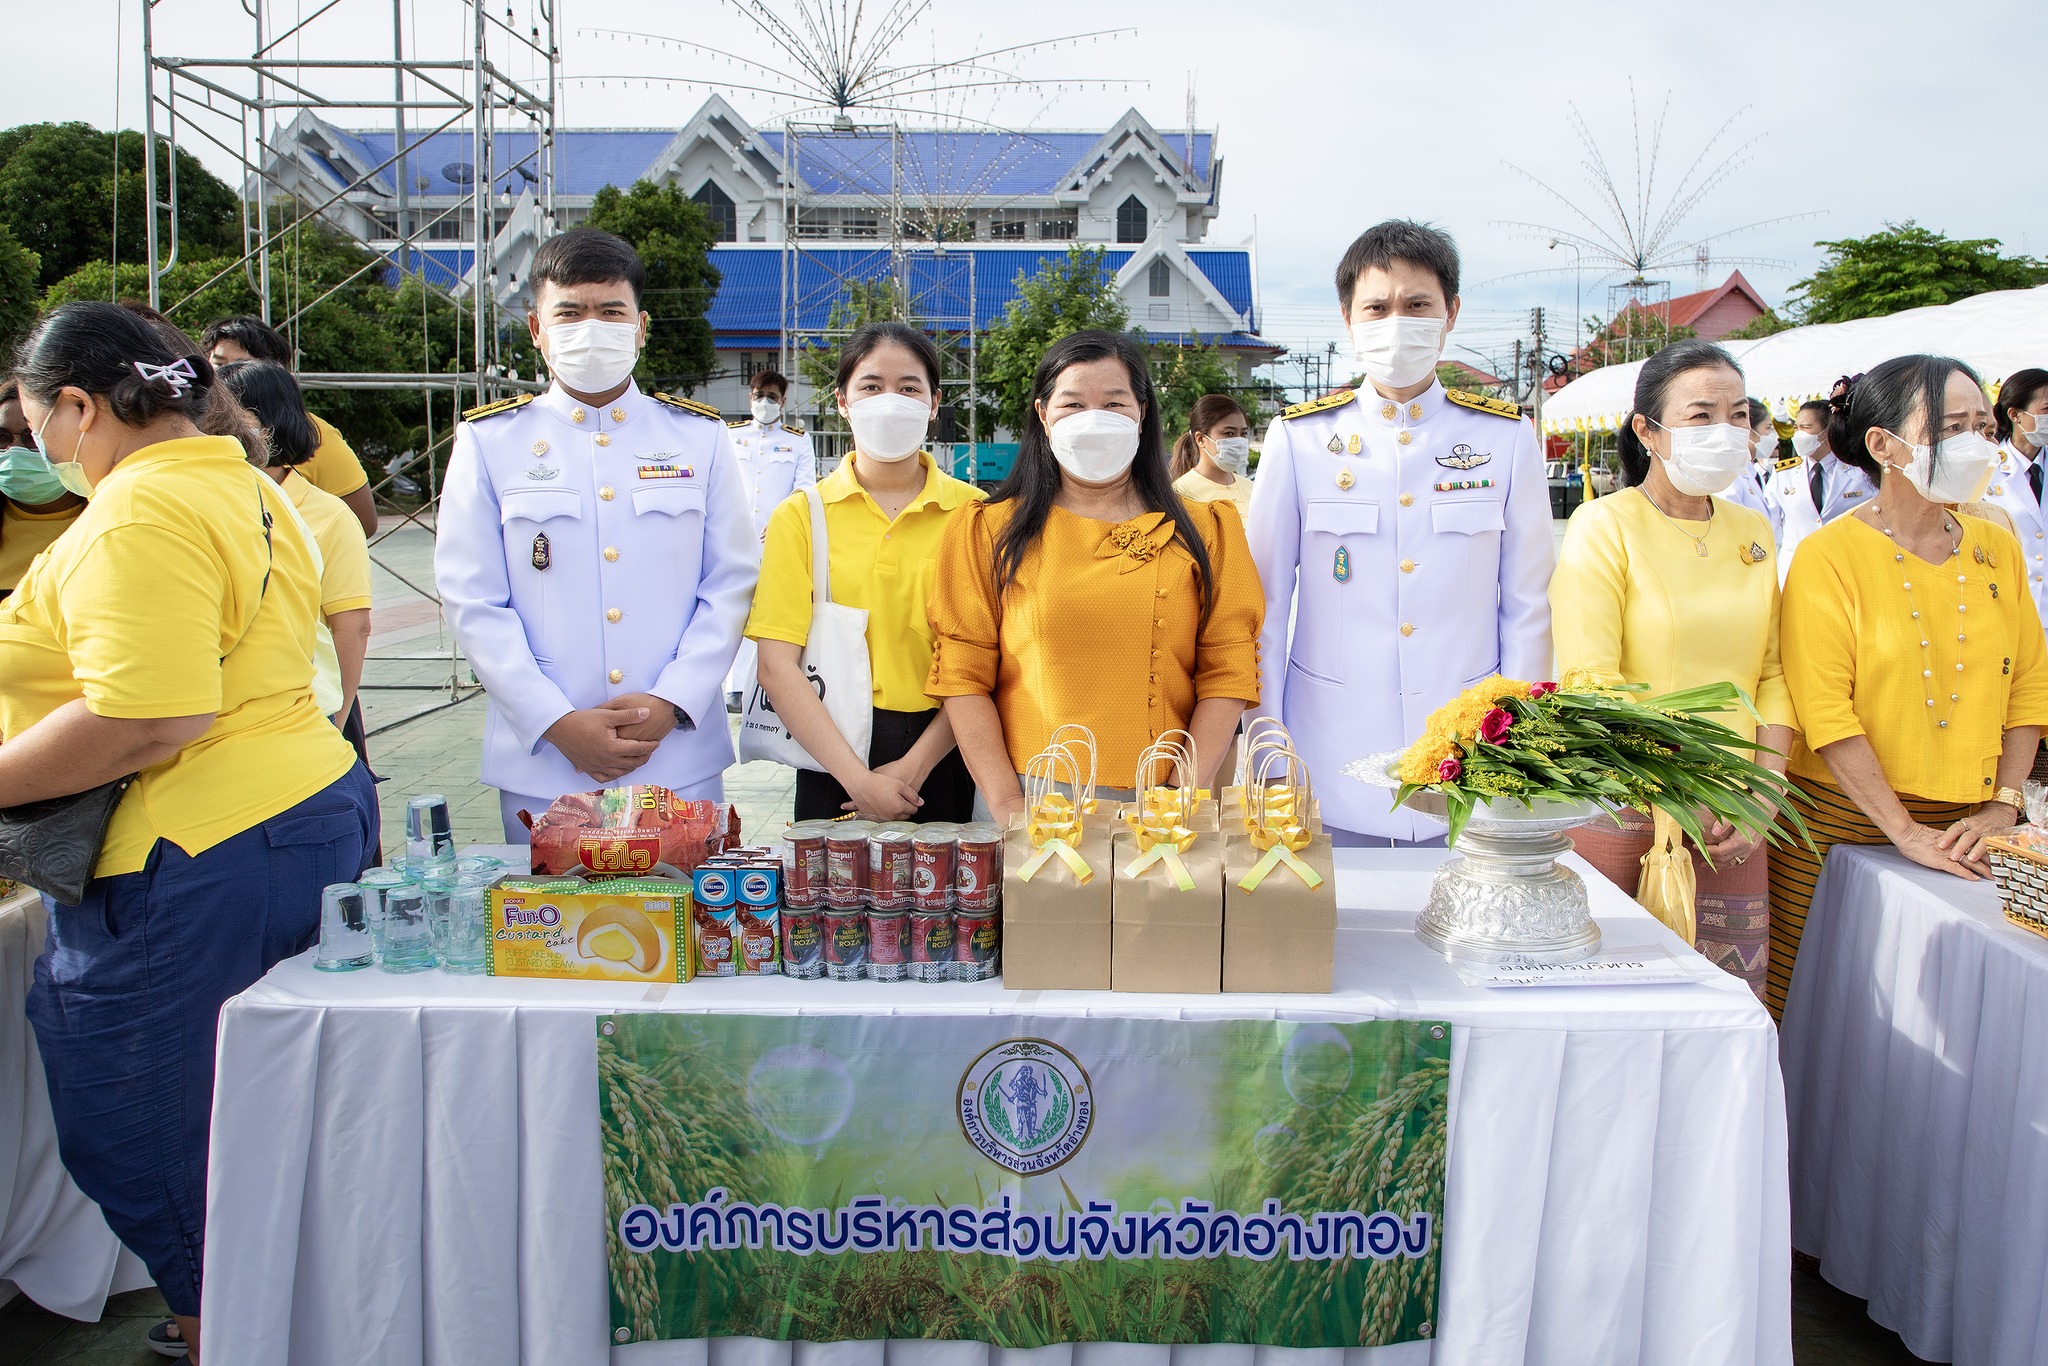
1805	444
1967	460
765	410
1705	460
889	427
1232	453
2036	435
1398	352
1094	445
592	356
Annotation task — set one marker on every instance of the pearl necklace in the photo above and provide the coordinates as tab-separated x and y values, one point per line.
1926	647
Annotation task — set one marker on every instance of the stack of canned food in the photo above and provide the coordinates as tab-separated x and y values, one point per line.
857	901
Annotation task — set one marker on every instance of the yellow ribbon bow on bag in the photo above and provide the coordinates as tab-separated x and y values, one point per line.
1054	830
1670	887
1282	841
1162	839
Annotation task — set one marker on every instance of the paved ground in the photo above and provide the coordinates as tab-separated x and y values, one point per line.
423	740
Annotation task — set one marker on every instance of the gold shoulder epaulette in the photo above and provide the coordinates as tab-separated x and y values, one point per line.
1320	405
691	405
793	431
1790	462
737	422
1480	403
503	405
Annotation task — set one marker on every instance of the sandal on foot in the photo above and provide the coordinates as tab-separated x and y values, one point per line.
164	1339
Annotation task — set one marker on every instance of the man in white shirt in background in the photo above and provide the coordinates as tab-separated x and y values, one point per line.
775	460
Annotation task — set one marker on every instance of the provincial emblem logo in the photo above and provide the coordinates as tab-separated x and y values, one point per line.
1026	1105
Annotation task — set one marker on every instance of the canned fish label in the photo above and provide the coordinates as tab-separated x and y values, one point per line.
803	945
976	945
846	944
931	948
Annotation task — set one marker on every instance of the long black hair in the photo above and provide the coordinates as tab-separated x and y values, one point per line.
2016	395
97	347
272	396
1034	480
1886	397
1653	391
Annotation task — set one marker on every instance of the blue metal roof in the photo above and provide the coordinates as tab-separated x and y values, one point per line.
586	159
957	163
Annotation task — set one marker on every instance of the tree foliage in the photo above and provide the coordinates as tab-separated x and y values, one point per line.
19	271
1076	293
1636	334
674	239
1181	375
58	197
1906	266
865	301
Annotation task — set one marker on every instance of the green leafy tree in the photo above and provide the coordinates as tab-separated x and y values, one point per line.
674	239
1635	335
19	291
1075	293
1181	375
865	301
57	196
1906	266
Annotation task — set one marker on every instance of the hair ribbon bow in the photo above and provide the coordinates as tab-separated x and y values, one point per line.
179	374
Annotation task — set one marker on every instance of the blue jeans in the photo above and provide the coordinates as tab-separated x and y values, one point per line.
127	997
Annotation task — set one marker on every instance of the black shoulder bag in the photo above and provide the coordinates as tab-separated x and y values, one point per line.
53	845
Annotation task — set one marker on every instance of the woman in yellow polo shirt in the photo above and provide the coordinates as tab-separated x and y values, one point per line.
1086	590
1669	586
169	635
1912	648
35	508
886	507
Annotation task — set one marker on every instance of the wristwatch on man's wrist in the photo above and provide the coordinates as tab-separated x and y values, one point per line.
2013	799
683	721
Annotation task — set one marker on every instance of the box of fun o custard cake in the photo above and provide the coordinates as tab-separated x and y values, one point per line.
624	930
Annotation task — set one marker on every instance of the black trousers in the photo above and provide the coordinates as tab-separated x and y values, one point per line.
948	792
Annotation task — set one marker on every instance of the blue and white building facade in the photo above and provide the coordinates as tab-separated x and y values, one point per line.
978	210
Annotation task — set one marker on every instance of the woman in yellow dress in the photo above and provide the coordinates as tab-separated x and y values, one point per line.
1668	585
1211	456
1912	648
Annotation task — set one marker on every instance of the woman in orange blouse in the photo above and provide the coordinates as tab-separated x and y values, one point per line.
1085	590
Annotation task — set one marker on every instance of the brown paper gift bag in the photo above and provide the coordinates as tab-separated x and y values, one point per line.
1279	889
1056	880
1167	858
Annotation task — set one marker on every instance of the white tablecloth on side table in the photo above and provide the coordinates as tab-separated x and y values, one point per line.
54	1243
406	1169
1916	1066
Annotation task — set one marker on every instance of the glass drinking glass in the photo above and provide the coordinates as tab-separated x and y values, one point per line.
376	882
344	930
2036	795
408	934
463	932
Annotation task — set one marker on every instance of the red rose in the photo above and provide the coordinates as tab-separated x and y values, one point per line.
1542	689
1450	770
1495	727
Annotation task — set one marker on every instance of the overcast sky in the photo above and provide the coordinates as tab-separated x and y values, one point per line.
1332	116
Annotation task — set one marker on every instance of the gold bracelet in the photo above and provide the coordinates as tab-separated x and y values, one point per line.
2015	800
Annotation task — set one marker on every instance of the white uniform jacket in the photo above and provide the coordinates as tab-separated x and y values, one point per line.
2011	491
776	461
1405	550
1751	489
1845	489
585	552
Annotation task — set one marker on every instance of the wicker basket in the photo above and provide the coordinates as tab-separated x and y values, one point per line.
2020	861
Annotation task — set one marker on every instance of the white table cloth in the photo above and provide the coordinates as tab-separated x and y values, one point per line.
1916	1066
406	1169
55	1245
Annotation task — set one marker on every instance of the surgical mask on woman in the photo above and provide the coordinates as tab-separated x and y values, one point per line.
27	476
1232	453
1705	460
593	356
1095	445
1804	444
889	427
1398	352
1962	474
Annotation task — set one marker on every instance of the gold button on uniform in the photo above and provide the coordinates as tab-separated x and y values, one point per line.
1407	566
611	552
618	414
603	440
606	493
1407	628
1405	437
1407	500
617	675
576	414
1414	412
1387	411
613	615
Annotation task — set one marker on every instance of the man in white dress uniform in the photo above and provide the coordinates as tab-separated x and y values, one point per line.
595	556
1812	487
775	459
2017	484
1750	485
1403	535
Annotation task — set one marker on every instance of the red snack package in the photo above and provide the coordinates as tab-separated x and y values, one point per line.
625	831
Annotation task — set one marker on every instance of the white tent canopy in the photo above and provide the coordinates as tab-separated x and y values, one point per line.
1995	334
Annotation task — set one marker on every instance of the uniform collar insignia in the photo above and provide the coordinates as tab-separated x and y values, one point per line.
1463	457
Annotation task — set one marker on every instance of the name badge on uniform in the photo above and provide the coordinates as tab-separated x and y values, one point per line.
666	472
1340	567
542	557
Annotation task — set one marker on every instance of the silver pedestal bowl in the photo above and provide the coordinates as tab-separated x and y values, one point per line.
1501	897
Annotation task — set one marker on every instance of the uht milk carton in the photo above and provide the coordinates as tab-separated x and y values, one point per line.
626	930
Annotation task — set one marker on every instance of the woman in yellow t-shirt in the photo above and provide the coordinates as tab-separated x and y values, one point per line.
35	508
885	509
1912	648
1669	586
168	634
1086	591
1211	456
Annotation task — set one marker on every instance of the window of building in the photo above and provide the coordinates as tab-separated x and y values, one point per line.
719	208
1132	219
1159	280
449	227
1001	231
1057	229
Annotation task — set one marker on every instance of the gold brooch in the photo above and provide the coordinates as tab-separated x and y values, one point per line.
1753	553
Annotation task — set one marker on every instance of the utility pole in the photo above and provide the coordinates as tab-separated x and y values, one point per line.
1537	368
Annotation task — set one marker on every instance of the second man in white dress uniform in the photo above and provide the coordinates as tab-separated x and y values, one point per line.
775	460
1812	487
2019	482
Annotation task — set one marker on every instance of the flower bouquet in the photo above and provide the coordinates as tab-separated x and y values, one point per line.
1578	741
